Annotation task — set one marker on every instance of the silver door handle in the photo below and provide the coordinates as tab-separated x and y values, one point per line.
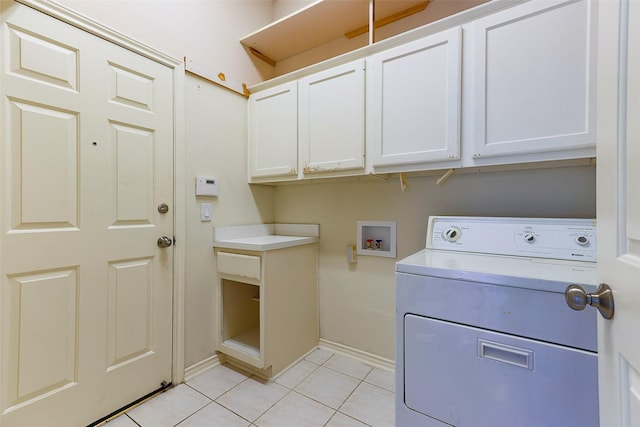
602	299
164	242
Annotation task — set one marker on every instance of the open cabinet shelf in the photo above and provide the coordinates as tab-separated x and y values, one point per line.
248	342
324	21
241	322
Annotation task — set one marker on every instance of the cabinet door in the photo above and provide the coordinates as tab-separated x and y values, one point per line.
414	110
273	132
331	108
533	79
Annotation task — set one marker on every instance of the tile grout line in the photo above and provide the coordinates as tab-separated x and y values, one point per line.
361	380
292	390
132	420
231	410
201	393
348	416
217	403
269	408
313	367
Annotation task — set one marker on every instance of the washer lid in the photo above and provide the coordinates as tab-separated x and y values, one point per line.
521	272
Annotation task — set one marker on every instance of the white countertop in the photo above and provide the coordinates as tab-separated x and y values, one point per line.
264	243
263	238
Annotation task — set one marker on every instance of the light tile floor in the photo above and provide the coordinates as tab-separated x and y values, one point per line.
324	389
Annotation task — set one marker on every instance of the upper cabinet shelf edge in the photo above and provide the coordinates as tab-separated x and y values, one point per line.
283	33
317	24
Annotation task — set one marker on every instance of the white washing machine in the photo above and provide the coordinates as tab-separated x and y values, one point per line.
484	335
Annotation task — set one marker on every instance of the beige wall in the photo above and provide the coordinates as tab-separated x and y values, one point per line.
205	31
357	302
215	146
283	8
215	128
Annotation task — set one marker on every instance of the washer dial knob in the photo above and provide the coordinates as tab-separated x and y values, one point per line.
451	234
529	237
582	240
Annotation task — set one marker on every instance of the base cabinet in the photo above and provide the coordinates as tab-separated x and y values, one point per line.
268	316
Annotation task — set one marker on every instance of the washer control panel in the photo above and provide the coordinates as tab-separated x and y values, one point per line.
553	238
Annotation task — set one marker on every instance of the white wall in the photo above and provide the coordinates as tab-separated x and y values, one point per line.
357	302
205	31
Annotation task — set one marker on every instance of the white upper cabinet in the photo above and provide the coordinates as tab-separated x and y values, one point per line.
531	81
510	85
331	120
273	132
414	92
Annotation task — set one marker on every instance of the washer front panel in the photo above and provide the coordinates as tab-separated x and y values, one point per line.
468	376
538	315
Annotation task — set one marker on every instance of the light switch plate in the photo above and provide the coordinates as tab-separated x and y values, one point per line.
205	212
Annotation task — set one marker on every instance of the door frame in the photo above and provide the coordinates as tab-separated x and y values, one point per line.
87	24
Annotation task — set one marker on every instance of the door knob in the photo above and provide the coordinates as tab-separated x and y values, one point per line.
602	299
164	242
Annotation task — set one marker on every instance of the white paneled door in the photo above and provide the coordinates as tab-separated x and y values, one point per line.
86	159
619	210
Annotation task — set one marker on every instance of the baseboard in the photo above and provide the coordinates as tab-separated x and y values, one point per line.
218	359
201	367
304	356
363	356
264	374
